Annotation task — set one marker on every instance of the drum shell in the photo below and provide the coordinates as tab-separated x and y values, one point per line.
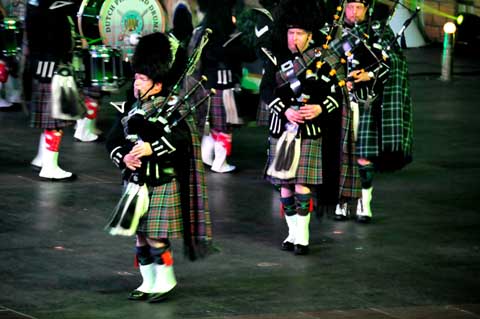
101	66
11	33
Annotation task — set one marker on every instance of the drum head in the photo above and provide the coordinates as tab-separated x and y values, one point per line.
116	22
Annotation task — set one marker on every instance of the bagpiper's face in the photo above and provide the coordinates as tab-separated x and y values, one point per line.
298	39
355	12
143	87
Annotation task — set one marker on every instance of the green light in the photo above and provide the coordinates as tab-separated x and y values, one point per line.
460	19
250	81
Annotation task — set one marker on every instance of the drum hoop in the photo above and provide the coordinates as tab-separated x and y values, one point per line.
79	17
105	7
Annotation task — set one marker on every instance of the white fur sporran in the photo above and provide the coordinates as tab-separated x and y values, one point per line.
230	106
65	99
131	207
287	155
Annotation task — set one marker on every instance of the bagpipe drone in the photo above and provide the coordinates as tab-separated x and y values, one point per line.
373	47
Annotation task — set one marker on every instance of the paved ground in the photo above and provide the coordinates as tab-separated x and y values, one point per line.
420	258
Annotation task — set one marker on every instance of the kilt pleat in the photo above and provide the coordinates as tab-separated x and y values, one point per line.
349	187
164	216
41	108
217	115
368	145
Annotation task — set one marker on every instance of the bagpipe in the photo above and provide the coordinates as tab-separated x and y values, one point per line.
315	76
372	49
192	61
134	201
368	48
317	69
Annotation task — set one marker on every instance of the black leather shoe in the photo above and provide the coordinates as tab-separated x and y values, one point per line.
71	178
138	295
301	250
340	217
364	219
288	246
158	296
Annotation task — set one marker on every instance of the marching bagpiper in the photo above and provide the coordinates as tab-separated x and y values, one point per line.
165	163
379	91
309	96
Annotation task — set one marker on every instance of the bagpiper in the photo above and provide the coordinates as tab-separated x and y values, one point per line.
163	163
379	93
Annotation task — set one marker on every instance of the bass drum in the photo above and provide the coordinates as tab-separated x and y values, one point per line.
119	23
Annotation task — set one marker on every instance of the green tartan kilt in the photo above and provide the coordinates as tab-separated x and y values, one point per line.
309	171
164	216
367	144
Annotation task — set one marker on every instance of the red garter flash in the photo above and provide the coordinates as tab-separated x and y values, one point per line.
167	258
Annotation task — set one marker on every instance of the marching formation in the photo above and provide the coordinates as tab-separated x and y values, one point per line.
334	95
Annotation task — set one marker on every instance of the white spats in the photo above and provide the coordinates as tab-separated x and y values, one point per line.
292	227
364	211
302	234
207	149
85	131
51	170
341	211
148	278
220	164
164	279
37	162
